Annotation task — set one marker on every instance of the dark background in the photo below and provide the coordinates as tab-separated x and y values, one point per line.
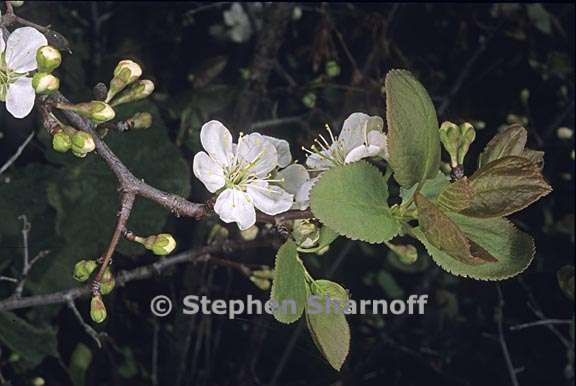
488	64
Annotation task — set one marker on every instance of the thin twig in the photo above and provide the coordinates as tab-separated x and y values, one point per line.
499	320
542	322
16	155
89	330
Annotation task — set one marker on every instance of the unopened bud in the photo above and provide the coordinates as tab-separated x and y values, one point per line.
161	244
107	283
140	121
309	100
83	269
61	142
97	309
139	90
96	111
456	140
45	83
82	143
332	69
306	233
125	73
263	284
48	59
217	234
250	233
38	381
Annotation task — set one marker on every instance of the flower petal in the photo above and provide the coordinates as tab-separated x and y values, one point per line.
20	97
254	149
268	198
236	206
282	148
2	42
21	48
217	141
362	151
379	139
317	162
352	134
294	177
302	198
208	171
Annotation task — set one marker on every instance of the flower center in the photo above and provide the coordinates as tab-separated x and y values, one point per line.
331	152
7	76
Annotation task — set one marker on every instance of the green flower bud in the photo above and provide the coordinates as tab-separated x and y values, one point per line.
250	233
139	90
97	111
263	284
45	83
306	233
82	143
125	73
161	244
107	283
332	69
61	142
264	274
309	100
38	381
17	4
83	269
456	140
48	59
140	121
79	155
218	233
97	309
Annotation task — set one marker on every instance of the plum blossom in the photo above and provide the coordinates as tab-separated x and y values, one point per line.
17	60
362	136
240	174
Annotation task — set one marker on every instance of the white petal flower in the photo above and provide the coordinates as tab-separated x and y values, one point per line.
2	42
282	148
236	206
20	97
21	48
293	177
268	198
351	135
208	171
241	174
302	197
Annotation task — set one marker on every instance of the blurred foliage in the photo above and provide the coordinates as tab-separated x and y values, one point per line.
491	65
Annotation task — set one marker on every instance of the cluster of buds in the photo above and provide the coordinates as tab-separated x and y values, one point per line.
125	86
48	59
456	140
262	278
84	269
68	138
161	244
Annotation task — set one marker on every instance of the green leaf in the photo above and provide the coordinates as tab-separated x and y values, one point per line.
413	139
446	235
456	196
505	186
32	343
510	142
352	200
431	188
84	194
329	328
289	283
513	249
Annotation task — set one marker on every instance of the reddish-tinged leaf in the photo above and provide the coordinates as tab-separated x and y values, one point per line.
511	141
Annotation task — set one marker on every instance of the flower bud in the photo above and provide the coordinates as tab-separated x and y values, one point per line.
306	234
125	73
107	283
97	309
96	111
161	244
82	143
61	142
263	284
45	83
17	4
250	233
140	121
456	140
48	59
309	100
139	90
332	69
83	269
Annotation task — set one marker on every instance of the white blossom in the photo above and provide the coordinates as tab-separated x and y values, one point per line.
240	174
17	60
